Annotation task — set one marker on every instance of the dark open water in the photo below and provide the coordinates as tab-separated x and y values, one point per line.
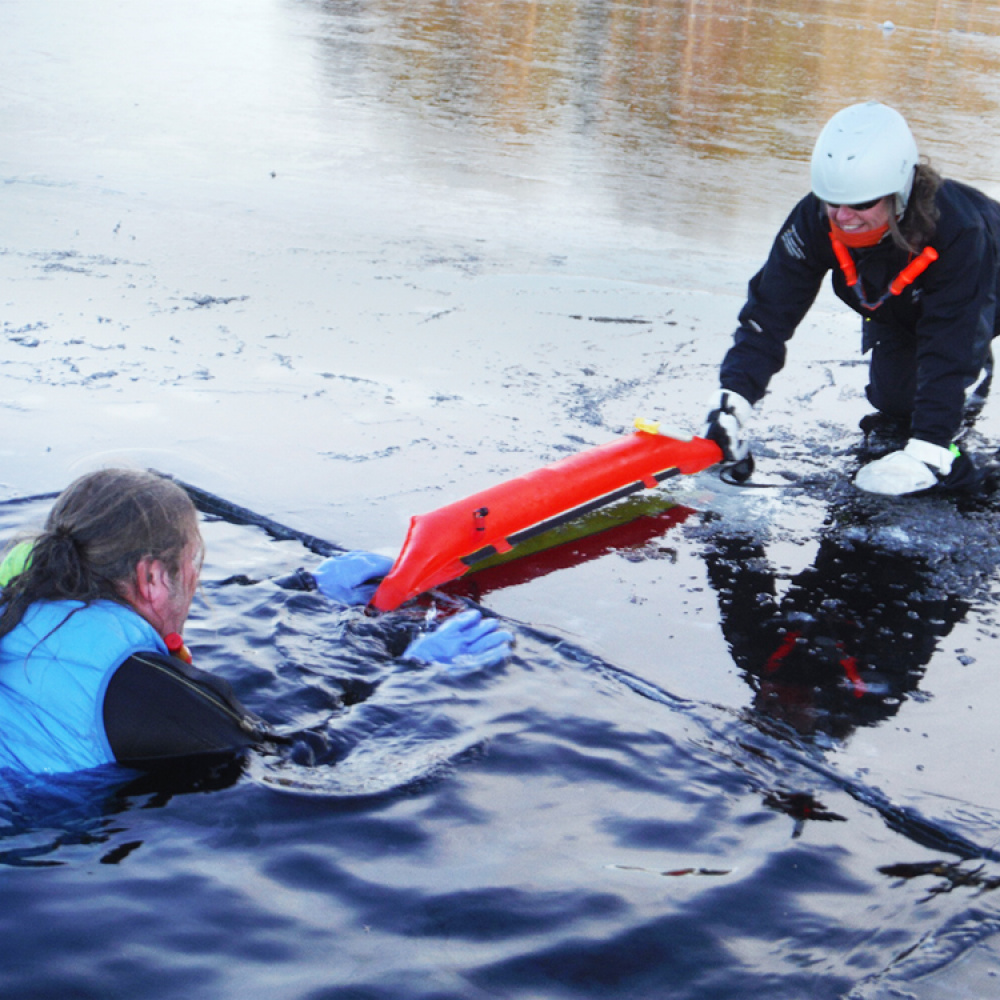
557	827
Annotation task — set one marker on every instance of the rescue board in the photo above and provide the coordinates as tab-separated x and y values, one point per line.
447	543
628	525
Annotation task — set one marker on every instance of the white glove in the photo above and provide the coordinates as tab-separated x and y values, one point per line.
728	412
919	466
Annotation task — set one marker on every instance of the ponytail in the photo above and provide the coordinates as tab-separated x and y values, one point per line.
100	528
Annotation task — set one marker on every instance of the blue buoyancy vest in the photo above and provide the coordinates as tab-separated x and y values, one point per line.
54	671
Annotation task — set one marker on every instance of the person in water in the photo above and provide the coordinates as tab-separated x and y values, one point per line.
918	257
93	667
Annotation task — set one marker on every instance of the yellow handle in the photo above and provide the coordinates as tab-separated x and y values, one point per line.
647	426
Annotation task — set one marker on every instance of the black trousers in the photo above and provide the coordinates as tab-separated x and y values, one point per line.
892	372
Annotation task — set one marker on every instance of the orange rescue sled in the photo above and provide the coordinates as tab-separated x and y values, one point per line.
446	543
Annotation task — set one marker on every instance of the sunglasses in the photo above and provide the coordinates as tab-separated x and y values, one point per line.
861	206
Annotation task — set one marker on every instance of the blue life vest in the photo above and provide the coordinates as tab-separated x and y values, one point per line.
54	671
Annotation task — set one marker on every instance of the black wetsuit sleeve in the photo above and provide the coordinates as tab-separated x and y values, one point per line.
157	707
301	579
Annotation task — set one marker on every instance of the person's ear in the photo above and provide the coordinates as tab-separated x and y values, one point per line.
151	580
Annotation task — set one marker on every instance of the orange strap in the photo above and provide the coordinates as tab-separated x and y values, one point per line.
906	277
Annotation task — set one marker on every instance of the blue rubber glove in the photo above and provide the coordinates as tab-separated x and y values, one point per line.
468	640
351	578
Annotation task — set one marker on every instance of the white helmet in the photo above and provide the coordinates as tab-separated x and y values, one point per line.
864	152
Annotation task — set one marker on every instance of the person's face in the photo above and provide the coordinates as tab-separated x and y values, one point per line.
163	597
182	586
860	219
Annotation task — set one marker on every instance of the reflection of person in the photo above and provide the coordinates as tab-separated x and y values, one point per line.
915	255
843	644
93	669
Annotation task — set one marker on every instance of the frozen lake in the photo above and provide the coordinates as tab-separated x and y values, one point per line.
344	262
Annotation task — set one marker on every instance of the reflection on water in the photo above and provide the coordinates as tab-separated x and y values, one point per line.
845	643
673	109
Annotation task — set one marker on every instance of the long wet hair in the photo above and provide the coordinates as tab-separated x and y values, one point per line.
918	225
100	528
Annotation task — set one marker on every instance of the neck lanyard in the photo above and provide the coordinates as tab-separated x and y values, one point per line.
907	276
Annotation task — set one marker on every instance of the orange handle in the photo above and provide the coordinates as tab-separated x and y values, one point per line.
845	261
913	270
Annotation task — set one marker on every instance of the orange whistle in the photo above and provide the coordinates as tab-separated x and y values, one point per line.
177	648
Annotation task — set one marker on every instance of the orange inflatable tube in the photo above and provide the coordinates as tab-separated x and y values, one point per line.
444	544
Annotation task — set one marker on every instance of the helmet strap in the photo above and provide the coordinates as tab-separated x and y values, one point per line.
903	197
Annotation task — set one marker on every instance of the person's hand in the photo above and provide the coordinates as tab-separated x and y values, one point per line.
918	467
468	640
351	578
728	412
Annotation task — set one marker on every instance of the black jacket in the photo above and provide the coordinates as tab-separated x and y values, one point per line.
950	311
